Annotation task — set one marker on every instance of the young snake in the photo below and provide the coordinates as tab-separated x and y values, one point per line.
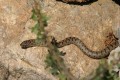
112	43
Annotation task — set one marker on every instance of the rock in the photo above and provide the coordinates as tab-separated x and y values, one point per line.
91	23
3	72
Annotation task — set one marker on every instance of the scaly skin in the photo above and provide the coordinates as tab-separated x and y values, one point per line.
104	53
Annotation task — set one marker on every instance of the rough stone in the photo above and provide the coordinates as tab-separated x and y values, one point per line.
91	23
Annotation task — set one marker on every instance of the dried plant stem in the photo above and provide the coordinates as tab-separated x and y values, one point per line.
38	12
50	46
60	62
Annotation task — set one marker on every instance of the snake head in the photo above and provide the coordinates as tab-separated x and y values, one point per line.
27	44
33	43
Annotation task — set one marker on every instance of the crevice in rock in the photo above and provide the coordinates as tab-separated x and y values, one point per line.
79	3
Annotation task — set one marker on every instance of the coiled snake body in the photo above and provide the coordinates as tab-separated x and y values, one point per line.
104	53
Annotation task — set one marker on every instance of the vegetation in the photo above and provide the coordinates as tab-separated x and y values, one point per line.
108	69
55	62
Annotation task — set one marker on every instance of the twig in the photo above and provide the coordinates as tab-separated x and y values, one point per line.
53	51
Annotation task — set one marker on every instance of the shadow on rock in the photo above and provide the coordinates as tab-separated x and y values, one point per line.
117	1
79	3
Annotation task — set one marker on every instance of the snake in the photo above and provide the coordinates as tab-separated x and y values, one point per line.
104	53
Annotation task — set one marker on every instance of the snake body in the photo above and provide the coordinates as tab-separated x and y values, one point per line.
104	53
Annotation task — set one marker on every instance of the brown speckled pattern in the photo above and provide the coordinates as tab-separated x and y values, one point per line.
111	44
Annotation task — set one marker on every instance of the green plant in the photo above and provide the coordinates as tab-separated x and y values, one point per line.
54	61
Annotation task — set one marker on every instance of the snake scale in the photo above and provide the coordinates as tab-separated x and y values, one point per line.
104	53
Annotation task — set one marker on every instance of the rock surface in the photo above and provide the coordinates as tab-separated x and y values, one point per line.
91	23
